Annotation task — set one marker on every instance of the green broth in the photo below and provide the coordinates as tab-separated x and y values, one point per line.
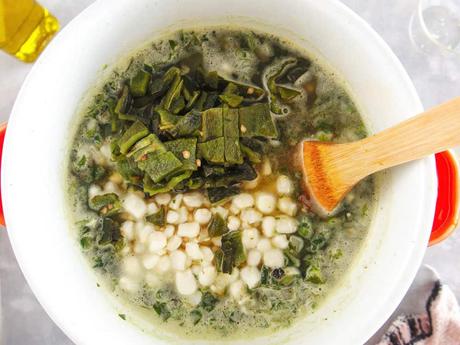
310	102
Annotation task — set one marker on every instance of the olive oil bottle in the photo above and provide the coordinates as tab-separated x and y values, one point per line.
25	28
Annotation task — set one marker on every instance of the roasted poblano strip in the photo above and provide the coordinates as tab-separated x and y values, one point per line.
280	94
147	145
152	188
184	149
108	231
232	100
287	94
253	156
106	204
217	226
187	125
123	106
220	194
233	153
173	93
158	218
213	150
139	83
212	124
124	101
160	165
169	121
134	133
256	121
232	252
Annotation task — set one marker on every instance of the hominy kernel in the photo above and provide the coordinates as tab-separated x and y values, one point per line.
274	258
284	185
286	225
185	282
251	276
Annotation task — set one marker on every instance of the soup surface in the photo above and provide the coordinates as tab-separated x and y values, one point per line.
184	190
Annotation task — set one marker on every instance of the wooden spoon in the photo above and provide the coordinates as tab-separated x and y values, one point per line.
331	170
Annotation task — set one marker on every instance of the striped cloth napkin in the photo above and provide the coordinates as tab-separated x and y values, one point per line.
438	323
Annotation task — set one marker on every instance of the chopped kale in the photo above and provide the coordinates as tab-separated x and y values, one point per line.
162	311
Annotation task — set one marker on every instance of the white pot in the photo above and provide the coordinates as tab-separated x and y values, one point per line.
37	141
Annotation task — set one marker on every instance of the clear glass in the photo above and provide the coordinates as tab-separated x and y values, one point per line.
435	26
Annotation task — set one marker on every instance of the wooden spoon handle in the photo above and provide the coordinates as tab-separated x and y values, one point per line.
430	132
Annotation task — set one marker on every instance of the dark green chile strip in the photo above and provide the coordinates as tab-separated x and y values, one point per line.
213	150
106	204
167	119
256	121
287	94
212	124
158	166
123	102
139	83
193	99
127	117
230	120
181	147
212	79
199	103
233	154
129	170
233	251
178	105
173	93
158	218
232	100
217	226
147	145
170	185
252	155
219	260
230	89
187	125
220	194
171	74
134	133
108	231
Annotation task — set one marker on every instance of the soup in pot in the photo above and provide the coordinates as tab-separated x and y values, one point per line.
184	192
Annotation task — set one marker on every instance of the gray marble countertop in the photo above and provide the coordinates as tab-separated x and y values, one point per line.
436	79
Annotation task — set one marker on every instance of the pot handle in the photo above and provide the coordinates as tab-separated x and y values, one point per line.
447	205
2	139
